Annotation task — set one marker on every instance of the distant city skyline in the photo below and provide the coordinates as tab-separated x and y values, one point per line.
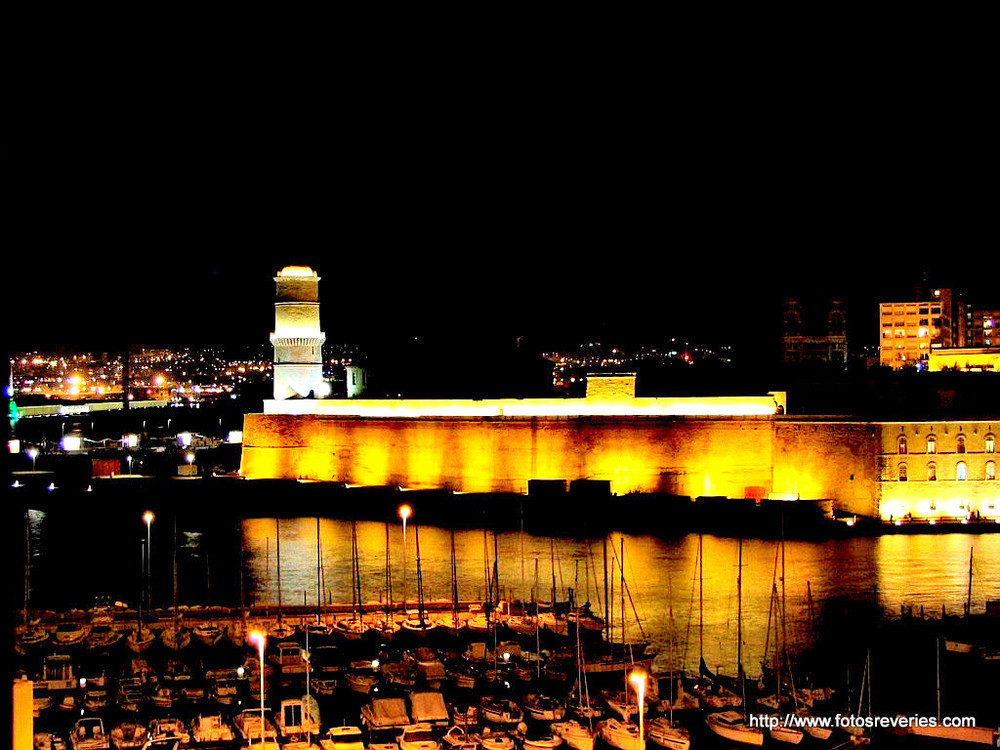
226	300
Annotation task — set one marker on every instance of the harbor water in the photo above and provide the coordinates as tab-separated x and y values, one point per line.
684	605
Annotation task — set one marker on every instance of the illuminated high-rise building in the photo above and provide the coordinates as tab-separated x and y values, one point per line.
983	328
910	330
297	337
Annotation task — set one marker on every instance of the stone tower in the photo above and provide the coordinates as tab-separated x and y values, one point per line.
297	338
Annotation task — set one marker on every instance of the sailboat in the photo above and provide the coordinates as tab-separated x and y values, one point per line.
575	733
417	620
732	725
707	688
353	627
142	637
451	623
663	730
978	735
386	626
28	635
175	636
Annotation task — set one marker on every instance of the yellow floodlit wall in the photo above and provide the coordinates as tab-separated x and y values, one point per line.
972	360
731	457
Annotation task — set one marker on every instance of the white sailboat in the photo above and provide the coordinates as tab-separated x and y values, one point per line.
732	725
620	734
575	734
665	733
663	730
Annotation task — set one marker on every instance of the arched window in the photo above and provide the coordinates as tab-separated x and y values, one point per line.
960	444
991	444
902	472
931	472
902	445
961	471
931	444
991	470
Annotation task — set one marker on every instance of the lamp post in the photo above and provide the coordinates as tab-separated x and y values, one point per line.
405	511
259	638
638	680
148	518
33	454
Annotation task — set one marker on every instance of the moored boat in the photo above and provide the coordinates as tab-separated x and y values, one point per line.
88	734
668	734
731	725
417	737
543	707
211	727
620	734
500	711
169	727
128	735
70	633
343	738
575	734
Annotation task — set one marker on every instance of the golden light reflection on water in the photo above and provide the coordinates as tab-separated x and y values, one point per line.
661	576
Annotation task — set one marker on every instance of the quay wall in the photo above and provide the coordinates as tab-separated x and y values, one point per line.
736	457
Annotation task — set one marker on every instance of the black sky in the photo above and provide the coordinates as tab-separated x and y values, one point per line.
555	207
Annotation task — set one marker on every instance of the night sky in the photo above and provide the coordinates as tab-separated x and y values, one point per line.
558	213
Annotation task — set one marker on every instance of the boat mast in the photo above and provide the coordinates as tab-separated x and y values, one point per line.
607	601
968	600
27	563
739	613
420	581
319	569
176	608
701	601
277	555
388	576
454	583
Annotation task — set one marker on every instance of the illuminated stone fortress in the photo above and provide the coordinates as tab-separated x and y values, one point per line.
734	447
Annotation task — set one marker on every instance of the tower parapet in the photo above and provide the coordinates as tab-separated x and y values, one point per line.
297	338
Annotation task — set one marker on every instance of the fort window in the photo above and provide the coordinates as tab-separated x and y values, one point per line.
960	444
991	444
902	445
931	472
902	472
931	444
991	471
961	471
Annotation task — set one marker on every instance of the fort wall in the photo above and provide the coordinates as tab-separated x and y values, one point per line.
732	457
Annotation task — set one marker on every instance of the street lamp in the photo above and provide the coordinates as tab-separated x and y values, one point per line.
148	518
259	638
405	511
33	454
638	680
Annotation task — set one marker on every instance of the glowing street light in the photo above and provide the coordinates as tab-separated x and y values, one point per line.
260	639
405	511
33	454
638	680
148	518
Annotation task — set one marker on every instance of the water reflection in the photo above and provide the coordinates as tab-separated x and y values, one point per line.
666	591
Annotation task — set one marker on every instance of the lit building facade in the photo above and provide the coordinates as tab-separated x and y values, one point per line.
939	470
984	328
966	359
910	330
